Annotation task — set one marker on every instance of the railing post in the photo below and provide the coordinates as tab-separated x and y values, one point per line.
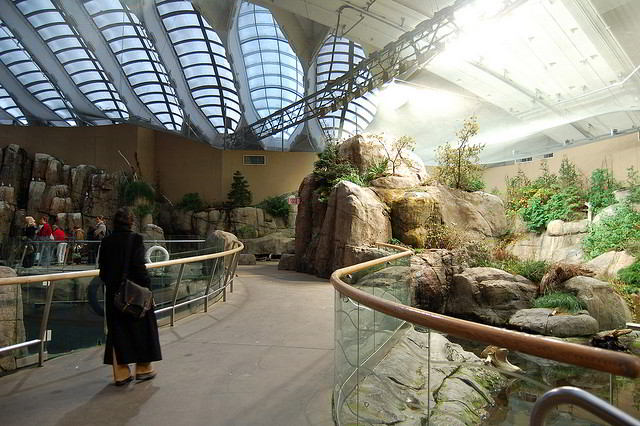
175	294
234	266
45	320
213	275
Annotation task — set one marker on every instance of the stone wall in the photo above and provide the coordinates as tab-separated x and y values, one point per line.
11	320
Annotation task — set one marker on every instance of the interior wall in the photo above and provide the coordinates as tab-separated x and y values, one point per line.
617	154
173	163
282	173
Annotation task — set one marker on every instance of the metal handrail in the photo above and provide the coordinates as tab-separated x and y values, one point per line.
583	399
49	281
570	353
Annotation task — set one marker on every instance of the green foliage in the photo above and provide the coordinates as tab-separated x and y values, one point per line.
277	206
602	185
548	197
331	168
137	189
396	151
191	202
563	301
613	232
141	210
633	183
239	196
458	166
631	275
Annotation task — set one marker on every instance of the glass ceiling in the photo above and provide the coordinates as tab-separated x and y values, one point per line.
275	75
204	63
10	107
72	52
337	56
139	60
28	73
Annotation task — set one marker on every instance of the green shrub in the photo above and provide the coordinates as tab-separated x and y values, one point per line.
602	185
191	202
532	270
247	231
378	169
137	189
613	232
633	183
277	206
141	210
239	196
631	274
563	301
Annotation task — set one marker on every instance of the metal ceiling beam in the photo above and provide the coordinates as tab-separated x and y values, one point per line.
47	61
411	51
94	39
164	47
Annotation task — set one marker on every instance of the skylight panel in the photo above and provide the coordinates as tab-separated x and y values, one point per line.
77	59
204	63
28	73
8	105
337	56
274	73
139	60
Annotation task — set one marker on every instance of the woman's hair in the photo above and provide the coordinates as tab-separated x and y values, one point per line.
30	220
123	218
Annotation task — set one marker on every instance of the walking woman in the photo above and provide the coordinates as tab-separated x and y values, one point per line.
129	340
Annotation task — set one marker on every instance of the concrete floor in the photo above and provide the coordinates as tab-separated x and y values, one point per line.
265	357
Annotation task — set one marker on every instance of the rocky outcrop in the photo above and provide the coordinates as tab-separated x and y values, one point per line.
604	304
287	262
432	273
16	172
246	259
559	243
11	320
459	392
276	243
355	216
412	212
152	232
545	321
489	295
608	264
311	212
364	151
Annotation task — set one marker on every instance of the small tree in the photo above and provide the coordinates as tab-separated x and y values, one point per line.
239	196
398	148
459	166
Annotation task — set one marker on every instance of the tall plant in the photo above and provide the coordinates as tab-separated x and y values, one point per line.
458	166
602	186
239	196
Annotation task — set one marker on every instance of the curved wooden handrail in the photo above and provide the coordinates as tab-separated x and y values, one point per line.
94	272
544	347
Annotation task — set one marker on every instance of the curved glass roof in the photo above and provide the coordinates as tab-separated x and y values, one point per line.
204	63
8	105
72	52
337	56
139	60
28	73
275	75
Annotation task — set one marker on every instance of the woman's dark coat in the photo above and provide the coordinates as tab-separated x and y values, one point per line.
134	340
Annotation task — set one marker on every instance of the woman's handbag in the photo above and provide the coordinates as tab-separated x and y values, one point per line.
131	298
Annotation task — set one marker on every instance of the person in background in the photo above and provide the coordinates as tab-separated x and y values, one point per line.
45	234
78	235
29	233
101	228
59	235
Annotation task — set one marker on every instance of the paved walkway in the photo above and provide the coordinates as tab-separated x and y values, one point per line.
265	357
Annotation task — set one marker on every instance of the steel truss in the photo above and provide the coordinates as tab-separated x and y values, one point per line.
399	58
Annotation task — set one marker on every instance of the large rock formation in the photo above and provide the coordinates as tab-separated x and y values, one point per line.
608	264
276	243
364	151
545	321
432	273
354	217
604	304
11	320
559	243
489	295
412	212
459	391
